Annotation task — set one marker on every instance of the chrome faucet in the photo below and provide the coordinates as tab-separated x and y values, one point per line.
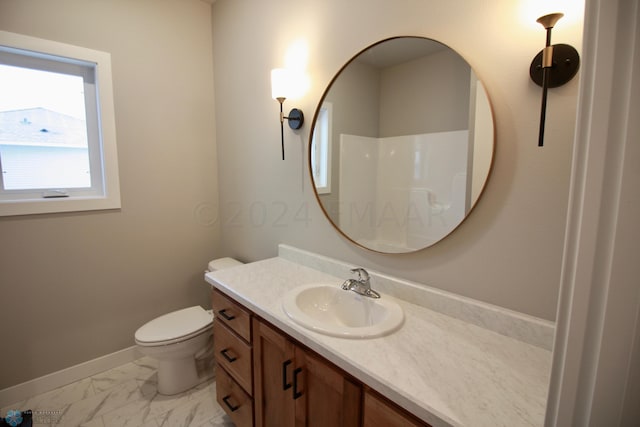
361	285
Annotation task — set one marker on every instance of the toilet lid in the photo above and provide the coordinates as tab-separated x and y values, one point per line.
174	325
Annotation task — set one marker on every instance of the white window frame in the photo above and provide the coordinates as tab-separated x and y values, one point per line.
105	189
321	154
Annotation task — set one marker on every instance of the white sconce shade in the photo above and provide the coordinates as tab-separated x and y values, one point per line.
280	79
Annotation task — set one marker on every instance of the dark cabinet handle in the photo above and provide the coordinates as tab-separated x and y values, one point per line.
296	393
285	384
226	316
225	354
229	405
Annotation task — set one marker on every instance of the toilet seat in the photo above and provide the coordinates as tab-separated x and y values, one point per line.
174	327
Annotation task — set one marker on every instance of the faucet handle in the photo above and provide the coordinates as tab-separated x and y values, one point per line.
363	275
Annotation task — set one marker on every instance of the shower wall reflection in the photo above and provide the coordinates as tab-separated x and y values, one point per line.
411	190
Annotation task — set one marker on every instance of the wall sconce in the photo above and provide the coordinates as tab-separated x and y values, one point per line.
281	81
553	66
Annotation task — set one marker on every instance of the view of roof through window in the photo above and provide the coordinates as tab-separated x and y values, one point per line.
43	133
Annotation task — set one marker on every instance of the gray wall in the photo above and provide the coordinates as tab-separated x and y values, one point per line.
509	250
430	94
355	97
76	286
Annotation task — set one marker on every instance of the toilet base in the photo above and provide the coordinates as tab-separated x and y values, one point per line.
177	368
177	375
176	354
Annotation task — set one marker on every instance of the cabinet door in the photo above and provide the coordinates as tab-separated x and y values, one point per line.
273	366
326	396
380	412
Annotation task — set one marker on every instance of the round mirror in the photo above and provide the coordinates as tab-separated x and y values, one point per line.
401	145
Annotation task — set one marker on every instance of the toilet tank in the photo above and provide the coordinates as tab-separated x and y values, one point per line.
222	263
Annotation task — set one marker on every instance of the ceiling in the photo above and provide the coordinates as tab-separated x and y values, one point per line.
398	50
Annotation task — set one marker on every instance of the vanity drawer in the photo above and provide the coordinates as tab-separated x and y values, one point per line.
232	354
231	314
235	402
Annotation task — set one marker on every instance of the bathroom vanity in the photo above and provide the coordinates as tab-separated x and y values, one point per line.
453	362
287	382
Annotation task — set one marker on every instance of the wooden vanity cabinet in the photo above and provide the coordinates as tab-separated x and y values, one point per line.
232	348
232	314
329	398
233	355
265	379
273	376
378	411
294	387
234	400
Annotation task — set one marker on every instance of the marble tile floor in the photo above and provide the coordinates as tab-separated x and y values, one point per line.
126	396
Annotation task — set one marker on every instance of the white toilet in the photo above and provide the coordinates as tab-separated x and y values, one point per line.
177	338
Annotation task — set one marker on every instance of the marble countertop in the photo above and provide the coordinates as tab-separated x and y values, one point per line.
444	370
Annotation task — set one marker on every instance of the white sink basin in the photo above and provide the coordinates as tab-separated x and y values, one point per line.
330	310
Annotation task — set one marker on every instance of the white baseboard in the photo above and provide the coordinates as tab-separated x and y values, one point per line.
66	376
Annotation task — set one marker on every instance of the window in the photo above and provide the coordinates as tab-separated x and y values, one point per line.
321	150
57	130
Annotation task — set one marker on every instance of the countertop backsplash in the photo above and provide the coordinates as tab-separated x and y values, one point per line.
525	328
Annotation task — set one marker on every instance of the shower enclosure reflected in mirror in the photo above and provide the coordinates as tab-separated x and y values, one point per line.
401	145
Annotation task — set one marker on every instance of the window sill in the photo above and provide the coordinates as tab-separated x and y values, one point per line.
56	205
